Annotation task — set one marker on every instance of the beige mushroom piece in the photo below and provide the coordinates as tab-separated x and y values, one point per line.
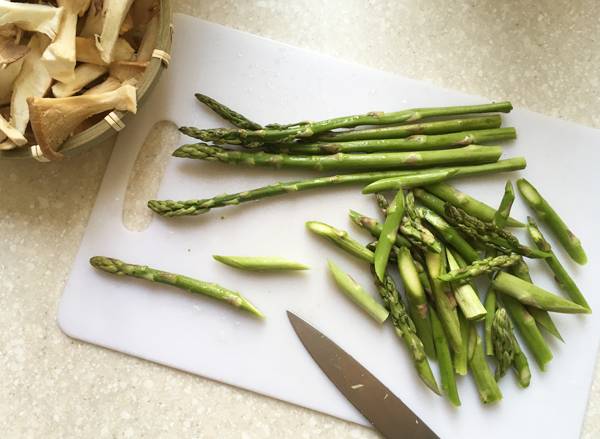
36	18
86	51
115	12
59	57
11	51
54	119
128	70
33	80
109	84
93	20
84	74
15	137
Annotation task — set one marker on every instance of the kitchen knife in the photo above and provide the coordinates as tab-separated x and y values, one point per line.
390	416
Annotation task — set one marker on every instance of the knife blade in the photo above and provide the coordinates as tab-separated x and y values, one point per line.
384	410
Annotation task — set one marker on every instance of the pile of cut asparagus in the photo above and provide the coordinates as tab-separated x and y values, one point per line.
437	238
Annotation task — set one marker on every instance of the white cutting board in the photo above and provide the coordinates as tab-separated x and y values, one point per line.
269	82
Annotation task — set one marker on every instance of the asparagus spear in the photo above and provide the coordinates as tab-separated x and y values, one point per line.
172	208
529	331
411	226
547	214
237	119
542	318
120	268
374	228
521	365
400	131
465	294
467	203
482	266
406	330
472	154
449	234
260	263
533	295
502	341
503	213
443	298
490	308
302	130
408	181
419	142
341	239
442	350
488	234
461	358
565	281
417	300
395	212
488	389
357	294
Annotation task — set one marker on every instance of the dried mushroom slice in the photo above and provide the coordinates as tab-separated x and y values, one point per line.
54	119
31	17
86	51
84	75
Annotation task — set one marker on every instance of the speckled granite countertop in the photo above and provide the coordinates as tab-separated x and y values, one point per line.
541	55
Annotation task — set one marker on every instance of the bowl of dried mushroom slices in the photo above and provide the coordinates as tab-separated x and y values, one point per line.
73	71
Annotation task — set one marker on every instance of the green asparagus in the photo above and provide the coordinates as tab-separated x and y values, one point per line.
482	266
120	268
565	281
417	300
503	213
502	340
171	208
461	358
465	294
490	307
374	228
467	203
303	130
341	239
444	357
488	389
406	330
228	114
488	233
408	181
357	294
472	154
533	295
395	212
401	131
547	214
419	142
260	263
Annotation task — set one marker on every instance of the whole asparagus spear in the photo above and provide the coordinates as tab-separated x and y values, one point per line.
341	239
405	329
467	203
472	154
488	234
172	208
400	131
120	268
547	214
304	130
420	142
237	119
533	295
417	300
502	340
482	266
542	318
444	357
564	280
389	231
